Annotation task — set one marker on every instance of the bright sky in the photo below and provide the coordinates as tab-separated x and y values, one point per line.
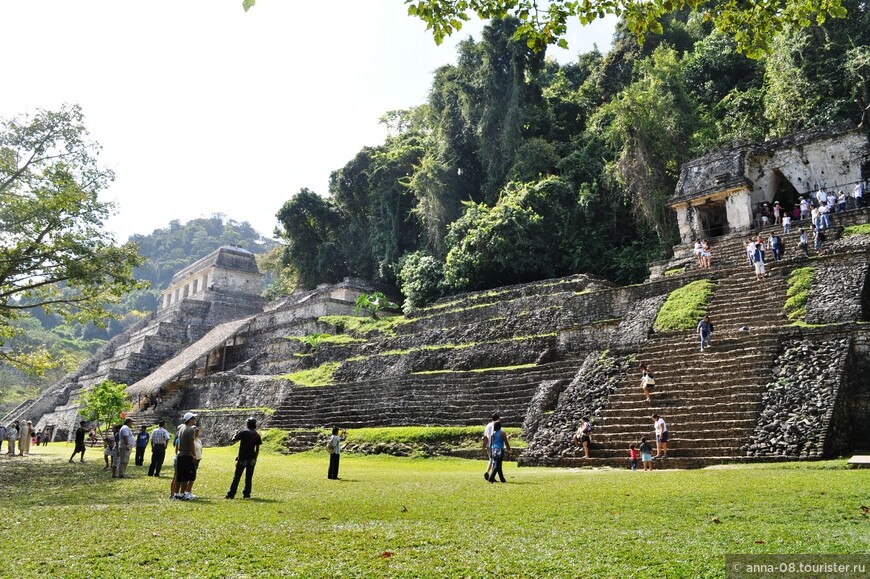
202	108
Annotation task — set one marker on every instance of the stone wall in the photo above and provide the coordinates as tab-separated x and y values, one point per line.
798	407
839	290
220	427
548	428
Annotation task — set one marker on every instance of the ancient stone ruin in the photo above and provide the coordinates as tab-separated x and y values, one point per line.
725	191
543	354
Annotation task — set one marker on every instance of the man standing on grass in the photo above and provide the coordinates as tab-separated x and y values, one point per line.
661	436
81	431
159	440
487	435
184	471
334	447
126	441
249	448
141	444
2	436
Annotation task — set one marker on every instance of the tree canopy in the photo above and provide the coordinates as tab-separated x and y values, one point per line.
752	23
55	254
104	403
519	168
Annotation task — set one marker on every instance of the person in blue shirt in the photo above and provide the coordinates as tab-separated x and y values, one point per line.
142	438
498	446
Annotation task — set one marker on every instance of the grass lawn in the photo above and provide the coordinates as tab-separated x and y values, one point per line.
418	517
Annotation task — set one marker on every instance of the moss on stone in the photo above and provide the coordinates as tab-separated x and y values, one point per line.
863	229
319	376
798	293
685	306
358	326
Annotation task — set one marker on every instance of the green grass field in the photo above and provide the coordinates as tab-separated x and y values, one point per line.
418	517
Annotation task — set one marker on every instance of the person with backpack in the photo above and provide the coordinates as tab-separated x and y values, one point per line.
498	446
487	435
333	447
646	381
583	436
802	242
249	448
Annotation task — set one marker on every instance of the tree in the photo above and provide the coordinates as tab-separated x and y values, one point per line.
651	123
104	402
311	226
752	23
54	253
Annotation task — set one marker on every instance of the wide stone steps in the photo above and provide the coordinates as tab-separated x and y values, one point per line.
732	250
709	399
450	398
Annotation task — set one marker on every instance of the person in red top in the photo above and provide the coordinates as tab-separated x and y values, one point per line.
632	455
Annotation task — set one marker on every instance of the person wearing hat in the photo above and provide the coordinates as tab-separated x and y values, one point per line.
81	431
249	448
184	471
126	441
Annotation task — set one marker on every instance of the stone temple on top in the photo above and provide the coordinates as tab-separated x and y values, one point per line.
724	192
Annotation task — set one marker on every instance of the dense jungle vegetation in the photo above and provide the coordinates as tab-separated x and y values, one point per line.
519	168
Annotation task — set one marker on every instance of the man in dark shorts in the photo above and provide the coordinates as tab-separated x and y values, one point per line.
81	431
249	448
185	474
661	436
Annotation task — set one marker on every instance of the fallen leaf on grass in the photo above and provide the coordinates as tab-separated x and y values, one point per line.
386	554
865	510
759	542
715	520
404	509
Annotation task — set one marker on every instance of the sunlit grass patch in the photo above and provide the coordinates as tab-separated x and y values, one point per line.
391	517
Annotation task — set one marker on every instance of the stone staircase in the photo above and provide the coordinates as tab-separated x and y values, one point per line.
710	400
443	398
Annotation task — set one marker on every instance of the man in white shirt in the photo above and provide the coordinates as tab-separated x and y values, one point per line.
487	435
805	208
126	441
858	194
159	442
661	436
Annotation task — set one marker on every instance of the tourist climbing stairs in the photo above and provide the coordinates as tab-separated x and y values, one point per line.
710	399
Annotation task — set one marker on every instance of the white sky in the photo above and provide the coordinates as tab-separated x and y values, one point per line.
202	108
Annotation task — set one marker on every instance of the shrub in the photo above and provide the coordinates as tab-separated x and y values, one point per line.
420	279
685	306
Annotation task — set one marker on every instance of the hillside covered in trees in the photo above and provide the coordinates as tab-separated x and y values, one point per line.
519	168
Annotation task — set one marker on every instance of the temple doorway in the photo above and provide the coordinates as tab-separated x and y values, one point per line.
784	192
713	219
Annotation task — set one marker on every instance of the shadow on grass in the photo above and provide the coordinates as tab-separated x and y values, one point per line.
46	481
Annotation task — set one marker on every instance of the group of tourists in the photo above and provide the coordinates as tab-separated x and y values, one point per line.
583	436
815	207
20	433
703	254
